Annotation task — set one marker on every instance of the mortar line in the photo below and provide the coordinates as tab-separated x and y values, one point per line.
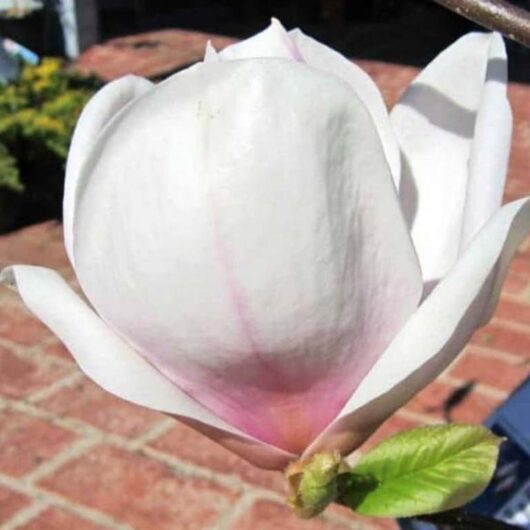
236	510
421	417
486	351
517	298
525	293
187	469
67	381
73	451
178	466
158	429
25	515
35	352
511	324
480	388
54	499
72	424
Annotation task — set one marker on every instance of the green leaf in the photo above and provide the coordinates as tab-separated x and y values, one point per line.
422	471
9	174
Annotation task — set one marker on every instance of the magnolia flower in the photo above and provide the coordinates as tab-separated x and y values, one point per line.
268	255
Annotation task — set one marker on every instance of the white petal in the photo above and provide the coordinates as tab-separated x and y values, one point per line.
436	333
442	122
210	54
272	42
109	360
241	228
491	146
328	60
106	103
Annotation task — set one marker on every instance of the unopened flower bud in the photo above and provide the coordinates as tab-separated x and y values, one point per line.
313	483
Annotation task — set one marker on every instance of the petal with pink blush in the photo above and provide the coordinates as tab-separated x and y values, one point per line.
109	361
287	267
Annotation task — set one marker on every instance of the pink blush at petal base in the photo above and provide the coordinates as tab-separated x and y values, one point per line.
281	412
258	454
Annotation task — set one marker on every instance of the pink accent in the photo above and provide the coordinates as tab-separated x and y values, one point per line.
257	453
263	396
237	294
293	48
285	415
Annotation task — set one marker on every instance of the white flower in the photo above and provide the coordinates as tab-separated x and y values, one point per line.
269	256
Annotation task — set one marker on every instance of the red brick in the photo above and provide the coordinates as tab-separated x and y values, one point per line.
41	244
26	442
57	349
524	247
515	311
56	519
378	524
392	80
10	503
20	377
268	515
140	492
490	370
474	408
8	296
381	524
19	326
515	283
49	231
88	402
169	50
520	160
516	187
188	445
510	196
502	338
521	264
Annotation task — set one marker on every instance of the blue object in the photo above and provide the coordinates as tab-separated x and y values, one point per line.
9	67
16	49
507	497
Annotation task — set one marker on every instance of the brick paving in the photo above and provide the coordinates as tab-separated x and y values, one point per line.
151	54
72	456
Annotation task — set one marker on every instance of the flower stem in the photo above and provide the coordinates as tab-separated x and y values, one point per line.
462	520
497	15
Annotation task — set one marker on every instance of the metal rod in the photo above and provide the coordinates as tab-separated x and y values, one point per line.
498	15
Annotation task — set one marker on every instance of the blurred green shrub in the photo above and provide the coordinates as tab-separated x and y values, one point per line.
38	113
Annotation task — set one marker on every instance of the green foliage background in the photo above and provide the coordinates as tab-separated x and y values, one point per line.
38	113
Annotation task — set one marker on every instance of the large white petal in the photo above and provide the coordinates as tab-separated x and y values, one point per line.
276	42
326	59
109	361
436	333
241	228
103	106
445	122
